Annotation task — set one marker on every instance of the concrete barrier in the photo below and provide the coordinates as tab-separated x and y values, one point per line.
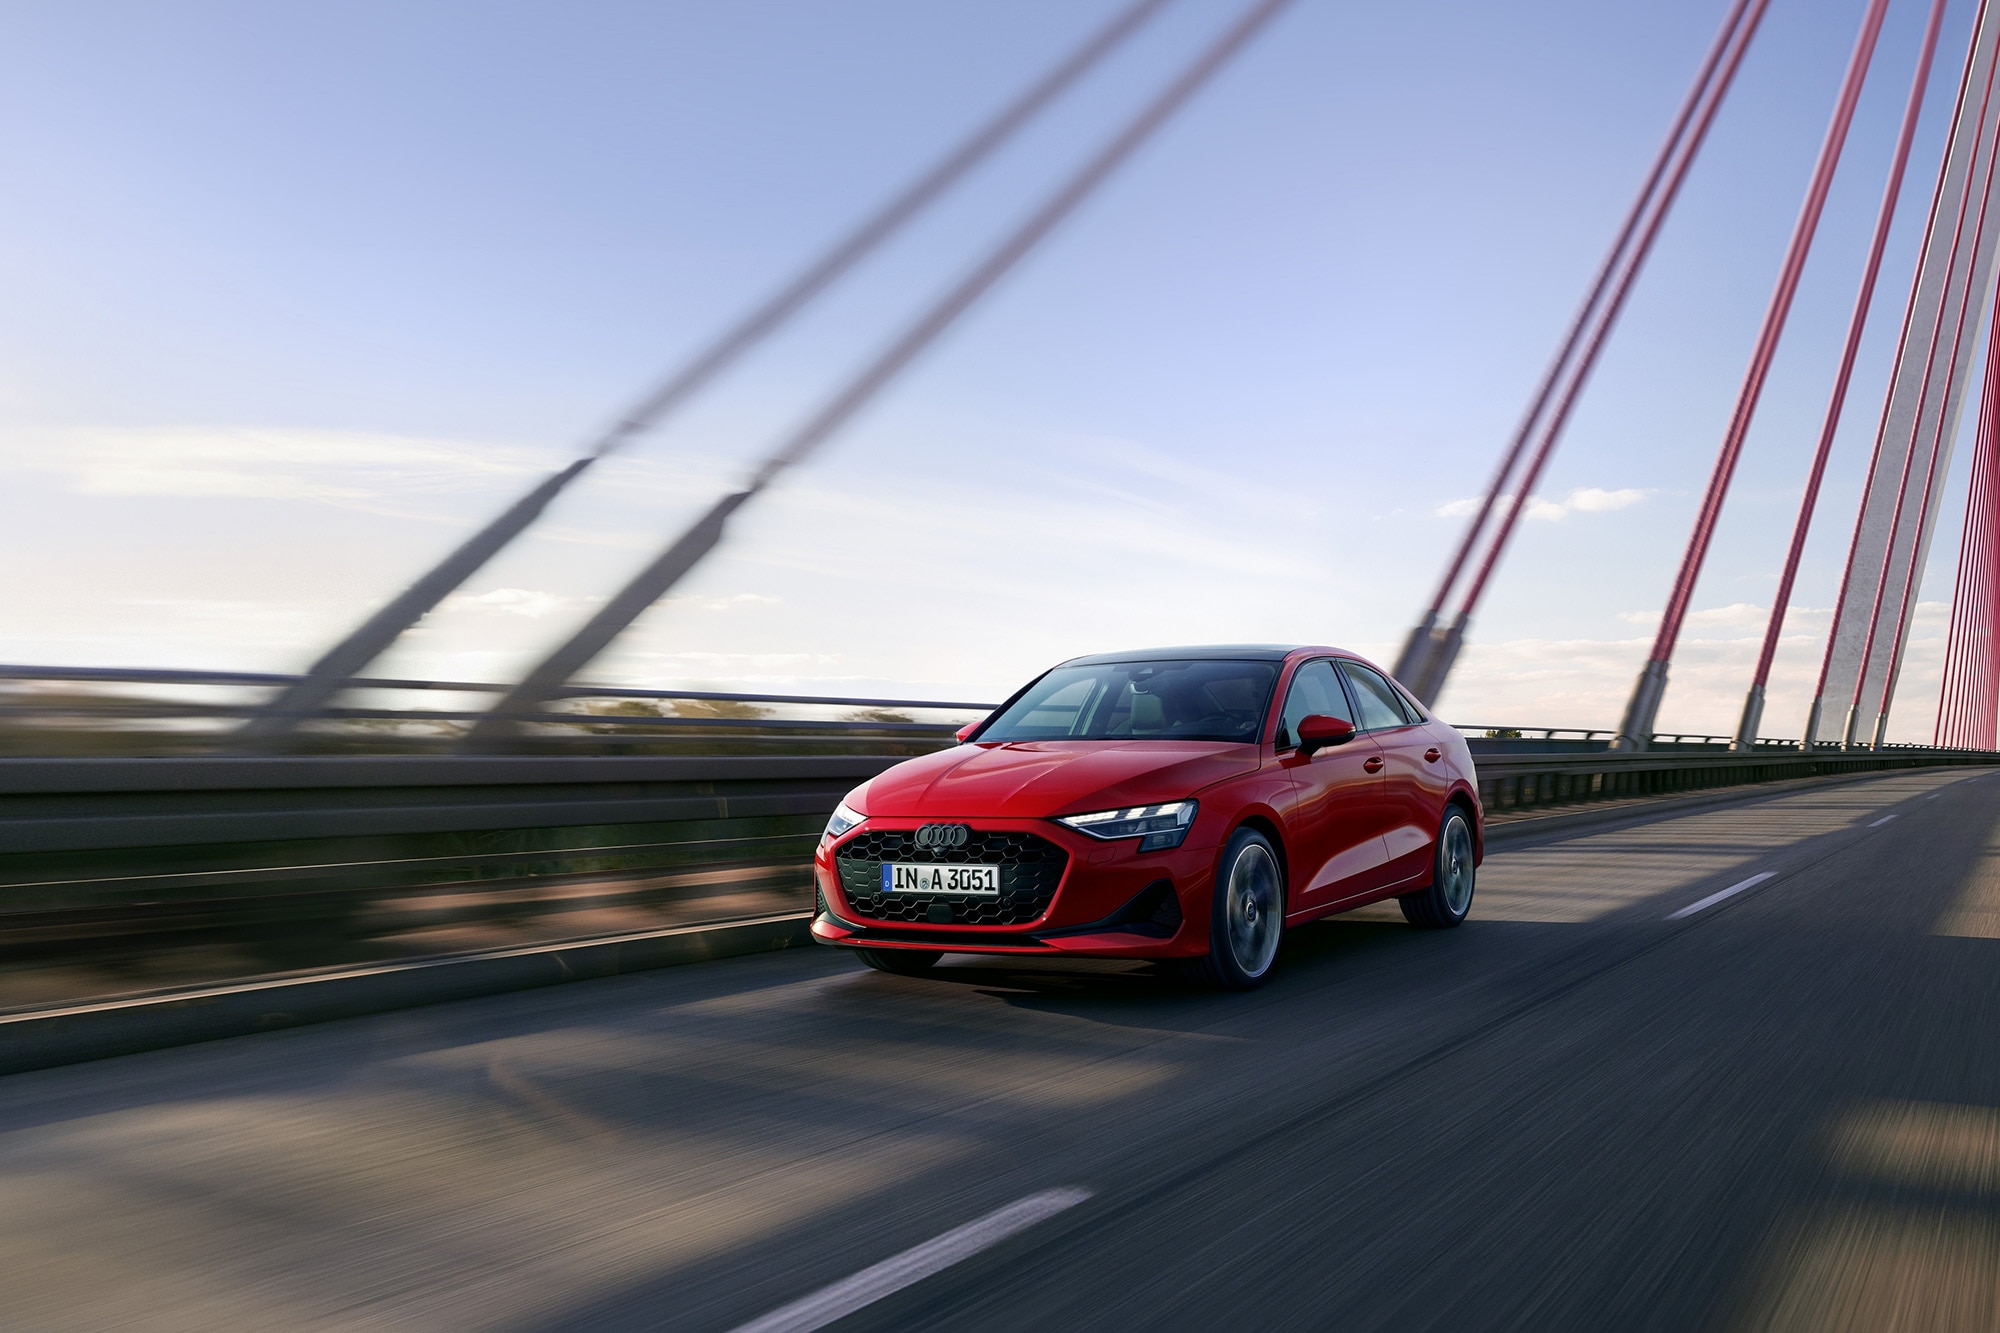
74	1033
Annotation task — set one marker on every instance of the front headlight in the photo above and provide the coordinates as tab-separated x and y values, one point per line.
844	817
1157	826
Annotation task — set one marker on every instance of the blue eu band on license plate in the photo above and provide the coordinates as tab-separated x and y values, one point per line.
958	881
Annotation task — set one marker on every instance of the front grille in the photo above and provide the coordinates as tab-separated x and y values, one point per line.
1030	869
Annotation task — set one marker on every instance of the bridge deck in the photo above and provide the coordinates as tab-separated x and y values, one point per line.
1782	1111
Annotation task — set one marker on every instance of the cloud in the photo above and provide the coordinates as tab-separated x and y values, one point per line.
1583	500
1531	682
1737	615
733	602
1752	615
247	463
1593	500
529	602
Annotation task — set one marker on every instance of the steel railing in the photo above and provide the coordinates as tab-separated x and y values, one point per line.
1486	738
281	862
345	855
1521	781
102	710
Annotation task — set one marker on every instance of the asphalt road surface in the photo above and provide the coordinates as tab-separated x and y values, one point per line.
1588	1108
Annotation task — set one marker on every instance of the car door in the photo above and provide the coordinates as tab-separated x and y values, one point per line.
1334	824
1415	781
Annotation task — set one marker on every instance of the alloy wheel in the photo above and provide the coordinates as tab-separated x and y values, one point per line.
1256	910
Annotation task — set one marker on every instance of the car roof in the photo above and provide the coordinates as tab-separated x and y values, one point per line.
1236	652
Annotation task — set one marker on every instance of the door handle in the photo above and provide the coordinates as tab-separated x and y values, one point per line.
1432	755
1373	763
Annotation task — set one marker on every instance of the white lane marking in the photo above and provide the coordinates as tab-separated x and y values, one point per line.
1932	797
1880	822
913	1265
1729	892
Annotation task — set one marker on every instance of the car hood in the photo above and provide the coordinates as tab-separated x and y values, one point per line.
1037	779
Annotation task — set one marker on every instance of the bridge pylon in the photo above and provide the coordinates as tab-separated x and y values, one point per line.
1899	507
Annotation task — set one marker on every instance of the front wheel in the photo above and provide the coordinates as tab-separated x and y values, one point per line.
902	962
1247	922
1449	896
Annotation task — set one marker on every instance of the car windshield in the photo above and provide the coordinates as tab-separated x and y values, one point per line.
1163	701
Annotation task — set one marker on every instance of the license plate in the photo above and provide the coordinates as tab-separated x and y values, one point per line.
964	881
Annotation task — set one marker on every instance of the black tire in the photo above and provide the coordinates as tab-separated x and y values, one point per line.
902	962
1246	919
1444	902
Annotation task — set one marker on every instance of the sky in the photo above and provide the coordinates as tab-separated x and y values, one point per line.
293	298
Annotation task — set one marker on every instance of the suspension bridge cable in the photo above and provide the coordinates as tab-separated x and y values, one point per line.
1910	458
1815	719
686	551
338	665
1585	314
1885	216
1445	647
1966	712
1651	685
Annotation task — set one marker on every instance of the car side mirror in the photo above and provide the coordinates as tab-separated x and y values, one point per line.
965	732
1318	730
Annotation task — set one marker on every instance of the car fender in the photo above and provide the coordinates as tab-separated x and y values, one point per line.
1470	792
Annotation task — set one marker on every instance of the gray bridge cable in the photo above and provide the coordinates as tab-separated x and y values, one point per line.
330	674
656	579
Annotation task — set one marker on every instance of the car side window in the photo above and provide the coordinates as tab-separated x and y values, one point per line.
1375	697
1315	689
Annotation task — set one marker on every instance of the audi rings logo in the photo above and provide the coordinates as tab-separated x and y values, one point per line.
942	835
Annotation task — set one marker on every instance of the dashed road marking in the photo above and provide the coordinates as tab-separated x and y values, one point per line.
1729	892
913	1265
1880	822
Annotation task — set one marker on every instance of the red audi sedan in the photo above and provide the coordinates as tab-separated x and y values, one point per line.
1181	804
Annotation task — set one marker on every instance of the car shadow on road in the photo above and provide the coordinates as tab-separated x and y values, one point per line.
1319	954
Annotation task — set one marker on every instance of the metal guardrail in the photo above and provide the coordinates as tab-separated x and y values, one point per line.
58	711
1535	781
115	710
293	861
1500	739
97	833
315	860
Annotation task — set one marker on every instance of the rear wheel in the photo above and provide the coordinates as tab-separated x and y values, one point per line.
902	962
1247	921
1449	896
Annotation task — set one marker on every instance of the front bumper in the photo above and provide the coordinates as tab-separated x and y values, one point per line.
1091	912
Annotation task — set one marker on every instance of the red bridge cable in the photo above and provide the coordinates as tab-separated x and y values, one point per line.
1739	42
1987	667
369	640
693	545
1775	316
1584	315
1931	473
869	235
1910	458
1903	341
1980	699
1837	401
1965	703
1951	712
